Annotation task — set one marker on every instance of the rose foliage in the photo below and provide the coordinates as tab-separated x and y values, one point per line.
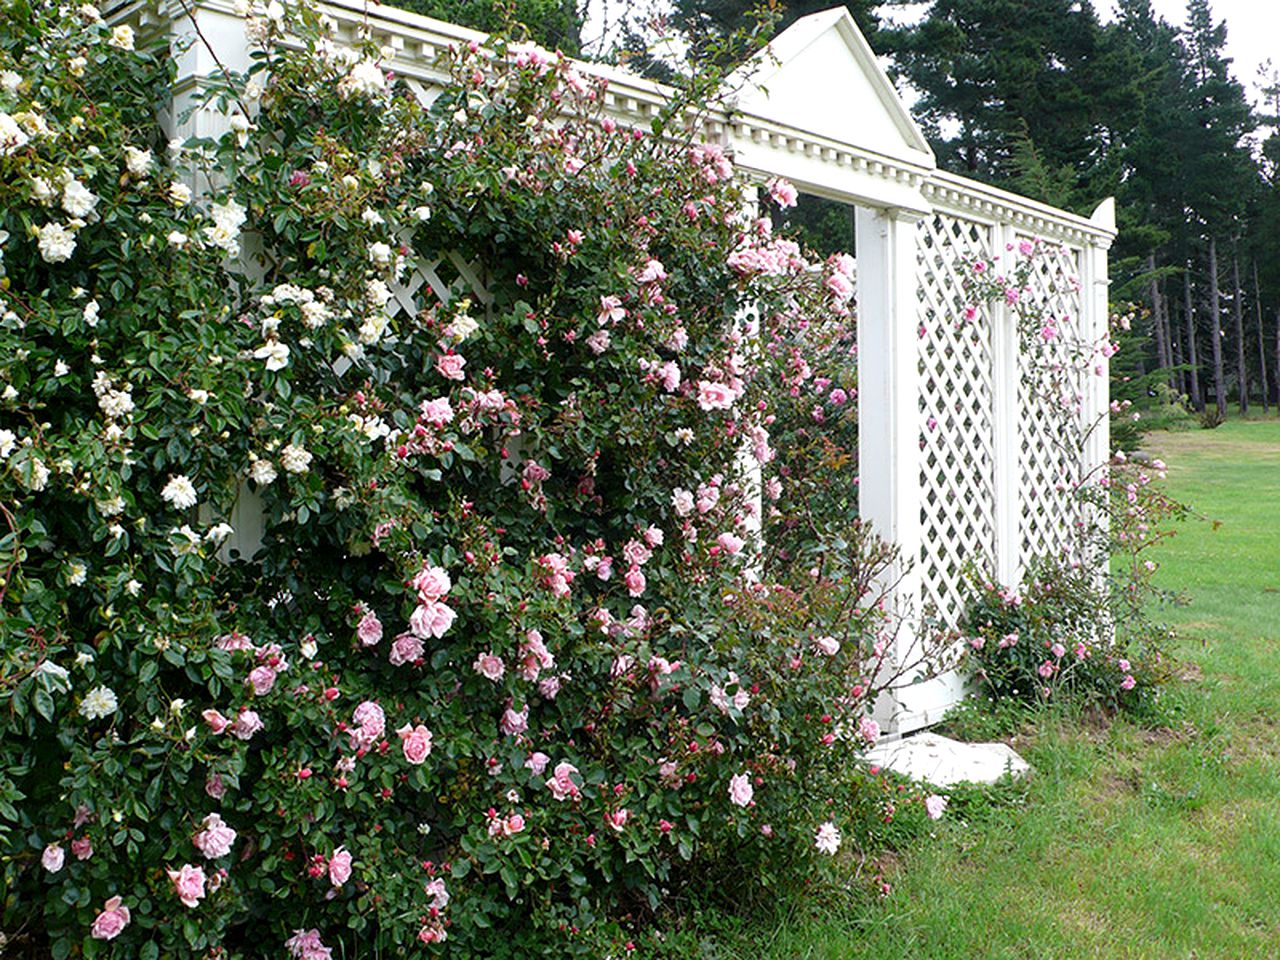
383	495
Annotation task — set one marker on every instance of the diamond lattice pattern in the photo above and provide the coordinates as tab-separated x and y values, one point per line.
957	435
1050	416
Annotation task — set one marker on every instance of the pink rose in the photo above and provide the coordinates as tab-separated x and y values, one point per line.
216	721
215	837
489	666
340	867
82	848
669	375
617	819
214	786
406	649
714	396
438	893
635	581
307	945
369	630
188	884
370	724
534	656
53	857
561	783
611	311
113	918
438	413
741	792
869	730
432	583
730	544
827	646
537	762
431	619
449	366
1128	683
513	824
636	553
783	192
839	286
247	724
262	679
654	536
934	806
653	272
515	721
549	687
416	742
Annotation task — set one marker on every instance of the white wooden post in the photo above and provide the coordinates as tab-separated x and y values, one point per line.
1006	446
1096	302
227	47
889	408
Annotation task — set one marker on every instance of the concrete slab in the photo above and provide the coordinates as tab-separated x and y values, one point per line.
944	762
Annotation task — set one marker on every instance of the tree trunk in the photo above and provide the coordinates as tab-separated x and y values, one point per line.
1237	314
1180	385
1262	342
1277	366
1193	357
1157	315
1215	330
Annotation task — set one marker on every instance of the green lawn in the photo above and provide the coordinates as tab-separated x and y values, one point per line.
1129	841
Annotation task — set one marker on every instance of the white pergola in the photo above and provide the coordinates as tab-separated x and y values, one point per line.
985	483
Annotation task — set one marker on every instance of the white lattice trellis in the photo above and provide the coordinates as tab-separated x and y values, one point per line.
1050	414
957	427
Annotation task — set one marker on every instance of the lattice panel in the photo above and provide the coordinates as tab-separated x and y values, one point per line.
1051	413
448	277
957	431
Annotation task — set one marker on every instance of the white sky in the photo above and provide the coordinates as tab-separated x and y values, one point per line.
1253	27
1253	31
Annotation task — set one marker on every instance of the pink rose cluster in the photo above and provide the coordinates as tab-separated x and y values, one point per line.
369	724
432	617
243	727
556	573
307	945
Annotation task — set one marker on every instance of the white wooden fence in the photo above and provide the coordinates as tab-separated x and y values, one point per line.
958	461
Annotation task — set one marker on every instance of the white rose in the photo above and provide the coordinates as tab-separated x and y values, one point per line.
262	472
295	459
77	199
56	242
12	136
122	37
180	492
275	353
137	162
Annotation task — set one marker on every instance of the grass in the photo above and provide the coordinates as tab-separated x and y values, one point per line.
1128	842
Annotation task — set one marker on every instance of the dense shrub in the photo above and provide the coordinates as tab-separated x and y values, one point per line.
502	670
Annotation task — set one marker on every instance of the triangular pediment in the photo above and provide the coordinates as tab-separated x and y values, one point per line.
821	76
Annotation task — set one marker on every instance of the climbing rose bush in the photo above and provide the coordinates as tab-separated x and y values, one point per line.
383	492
